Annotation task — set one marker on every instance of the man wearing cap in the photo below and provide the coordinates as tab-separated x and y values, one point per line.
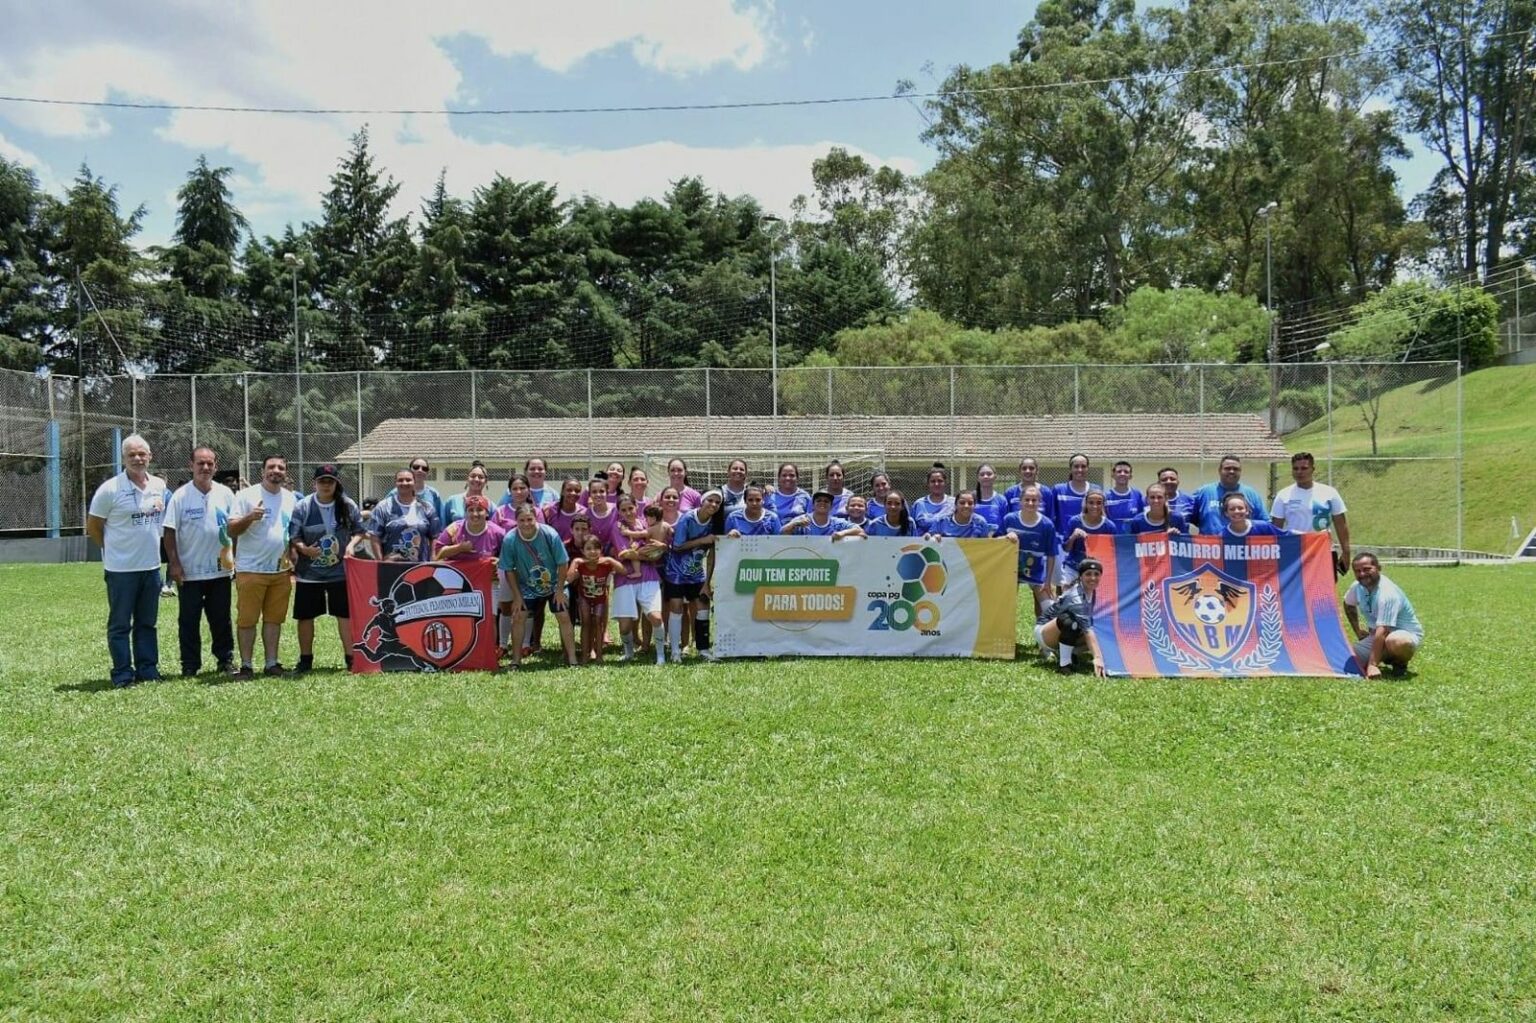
201	555
125	520
326	526
262	583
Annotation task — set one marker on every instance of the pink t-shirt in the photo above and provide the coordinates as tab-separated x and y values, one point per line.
506	517
560	521
606	529
486	545
689	499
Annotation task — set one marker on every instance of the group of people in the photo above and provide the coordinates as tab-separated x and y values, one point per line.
588	550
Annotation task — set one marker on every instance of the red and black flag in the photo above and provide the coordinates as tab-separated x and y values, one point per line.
413	616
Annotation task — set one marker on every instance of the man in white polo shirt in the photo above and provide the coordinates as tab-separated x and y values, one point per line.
1310	507
262	581
125	520
201	555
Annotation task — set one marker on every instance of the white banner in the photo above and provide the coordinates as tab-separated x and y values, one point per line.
874	597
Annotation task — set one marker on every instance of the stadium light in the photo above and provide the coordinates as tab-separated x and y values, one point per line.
773	304
292	261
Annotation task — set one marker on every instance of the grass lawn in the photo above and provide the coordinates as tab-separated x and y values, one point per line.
1411	503
804	840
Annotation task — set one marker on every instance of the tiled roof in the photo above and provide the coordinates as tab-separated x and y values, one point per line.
901	438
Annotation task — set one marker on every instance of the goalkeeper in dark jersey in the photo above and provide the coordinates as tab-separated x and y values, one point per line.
1065	624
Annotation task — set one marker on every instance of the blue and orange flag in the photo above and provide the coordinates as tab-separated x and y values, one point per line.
1195	605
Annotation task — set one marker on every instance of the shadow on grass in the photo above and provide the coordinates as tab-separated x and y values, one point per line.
95	685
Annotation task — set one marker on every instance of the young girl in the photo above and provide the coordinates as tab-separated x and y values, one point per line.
821	521
637	592
1067	622
926	511
1156	517
685	575
897	520
990	505
1240	524
518	493
472	537
752	519
603	516
1069	495
677	475
532	565
963	522
1092	522
787	500
590	574
1036	536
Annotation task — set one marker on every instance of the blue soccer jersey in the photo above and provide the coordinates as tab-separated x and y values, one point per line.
1076	552
883	527
1123	507
767	525
1254	529
1139	525
687	566
1206	510
787	506
994	509
807	526
1069	503
977	528
1014	494
1037	546
1182	504
926	511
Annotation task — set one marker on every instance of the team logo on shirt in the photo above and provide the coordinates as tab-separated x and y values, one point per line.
329	551
427	620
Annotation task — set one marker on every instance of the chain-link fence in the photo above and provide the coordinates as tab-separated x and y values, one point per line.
1388	435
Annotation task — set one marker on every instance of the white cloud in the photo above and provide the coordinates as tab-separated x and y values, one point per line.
16	154
391	54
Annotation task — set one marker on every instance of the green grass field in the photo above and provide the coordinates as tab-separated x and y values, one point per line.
804	840
1412	502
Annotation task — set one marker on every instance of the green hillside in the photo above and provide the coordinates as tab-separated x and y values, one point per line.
1397	501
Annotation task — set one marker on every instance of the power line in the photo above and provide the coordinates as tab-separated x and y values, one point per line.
1155	76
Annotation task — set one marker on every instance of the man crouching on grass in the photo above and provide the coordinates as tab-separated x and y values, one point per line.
1392	632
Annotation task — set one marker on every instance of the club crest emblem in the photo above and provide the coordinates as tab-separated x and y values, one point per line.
427	621
1211	613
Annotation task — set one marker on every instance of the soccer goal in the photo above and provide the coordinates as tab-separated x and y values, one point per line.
707	468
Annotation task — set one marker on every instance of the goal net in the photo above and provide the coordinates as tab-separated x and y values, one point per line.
707	469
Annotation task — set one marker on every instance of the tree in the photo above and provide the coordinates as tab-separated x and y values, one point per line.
94	257
1416	321
866	210
1468	89
1187	325
209	229
29	298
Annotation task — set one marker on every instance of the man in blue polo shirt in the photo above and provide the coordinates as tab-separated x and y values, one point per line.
1205	511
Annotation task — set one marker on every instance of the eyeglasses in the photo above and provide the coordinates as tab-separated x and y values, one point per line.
419	468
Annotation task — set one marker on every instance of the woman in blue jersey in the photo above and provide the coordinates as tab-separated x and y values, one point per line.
963	522
990	504
1035	535
1092	522
474	486
1240	524
1069	495
734	494
821	521
685	573
752	519
937	504
1156	517
879	486
896	519
832	482
787	500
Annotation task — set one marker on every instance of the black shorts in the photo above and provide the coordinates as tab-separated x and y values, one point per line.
680	591
534	606
311	600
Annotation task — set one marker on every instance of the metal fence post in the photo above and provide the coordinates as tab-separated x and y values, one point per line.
474	414
1329	400
953	450
590	421
133	391
55	468
829	404
709	409
80	403
361	488
1077	407
1203	431
193	378
245	398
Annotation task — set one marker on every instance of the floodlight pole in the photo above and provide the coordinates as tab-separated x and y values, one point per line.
292	262
773	308
1267	212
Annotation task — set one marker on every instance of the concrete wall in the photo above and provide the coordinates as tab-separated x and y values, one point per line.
42	551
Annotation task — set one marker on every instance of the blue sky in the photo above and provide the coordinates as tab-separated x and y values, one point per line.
476	53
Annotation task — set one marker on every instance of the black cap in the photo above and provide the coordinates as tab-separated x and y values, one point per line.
823	493
322	471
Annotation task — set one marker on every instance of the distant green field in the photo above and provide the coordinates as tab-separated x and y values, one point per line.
1412	503
803	840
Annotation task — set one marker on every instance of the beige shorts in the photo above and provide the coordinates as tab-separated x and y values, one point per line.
262	596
